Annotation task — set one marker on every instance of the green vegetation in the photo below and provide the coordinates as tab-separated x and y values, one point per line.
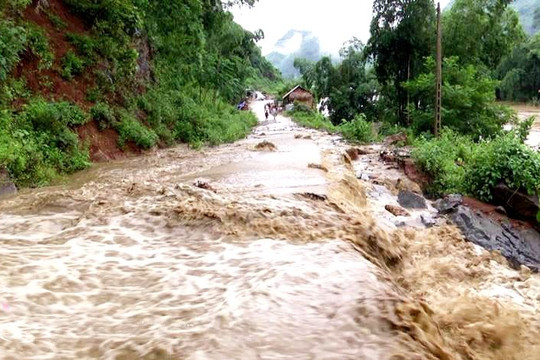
358	130
457	164
158	74
519	72
307	118
468	104
392	81
37	144
71	65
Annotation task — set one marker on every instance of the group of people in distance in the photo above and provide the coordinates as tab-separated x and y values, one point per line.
270	108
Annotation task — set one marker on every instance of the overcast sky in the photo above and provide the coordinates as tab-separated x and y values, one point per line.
333	21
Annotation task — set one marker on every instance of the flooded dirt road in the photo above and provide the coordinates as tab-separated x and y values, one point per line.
241	252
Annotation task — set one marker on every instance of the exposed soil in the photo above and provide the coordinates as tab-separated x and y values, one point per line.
491	211
48	82
103	144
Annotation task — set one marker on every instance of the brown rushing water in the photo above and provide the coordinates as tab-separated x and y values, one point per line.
131	261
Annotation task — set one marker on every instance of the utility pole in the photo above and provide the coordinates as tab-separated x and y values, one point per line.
438	100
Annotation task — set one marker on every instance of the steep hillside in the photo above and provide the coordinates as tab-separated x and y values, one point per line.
84	81
295	43
529	14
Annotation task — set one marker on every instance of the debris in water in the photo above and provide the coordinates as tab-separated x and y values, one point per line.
315	197
317	166
266	146
204	185
396	210
353	153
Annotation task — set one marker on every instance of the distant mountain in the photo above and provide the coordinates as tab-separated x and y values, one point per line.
529	14
295	43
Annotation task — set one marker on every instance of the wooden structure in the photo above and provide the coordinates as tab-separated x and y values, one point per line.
299	94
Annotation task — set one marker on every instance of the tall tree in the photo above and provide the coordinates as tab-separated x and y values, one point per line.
481	32
402	34
520	72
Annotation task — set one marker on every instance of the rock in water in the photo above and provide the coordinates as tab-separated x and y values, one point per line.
519	247
410	200
7	187
518	204
448	204
428	221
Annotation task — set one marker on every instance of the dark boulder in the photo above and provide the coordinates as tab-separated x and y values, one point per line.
410	200
428	221
518	205
448	204
519	247
7	187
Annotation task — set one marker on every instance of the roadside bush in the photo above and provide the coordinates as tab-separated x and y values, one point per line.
38	43
53	116
130	129
12	44
103	115
72	65
85	45
359	130
443	159
506	159
457	164
37	145
312	120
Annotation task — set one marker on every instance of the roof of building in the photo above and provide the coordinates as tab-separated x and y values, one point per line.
294	89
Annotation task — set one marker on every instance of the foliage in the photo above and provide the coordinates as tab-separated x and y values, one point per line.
503	159
457	164
12	44
103	115
348	89
37	145
130	129
38	44
491	27
358	130
443	158
468	105
519	72
72	65
402	34
57	21
312	120
86	45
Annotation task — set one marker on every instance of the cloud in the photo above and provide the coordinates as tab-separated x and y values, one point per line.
334	22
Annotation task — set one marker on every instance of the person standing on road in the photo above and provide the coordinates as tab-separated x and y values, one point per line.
274	112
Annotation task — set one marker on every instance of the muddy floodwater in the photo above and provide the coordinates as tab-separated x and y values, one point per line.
248	251
524	112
